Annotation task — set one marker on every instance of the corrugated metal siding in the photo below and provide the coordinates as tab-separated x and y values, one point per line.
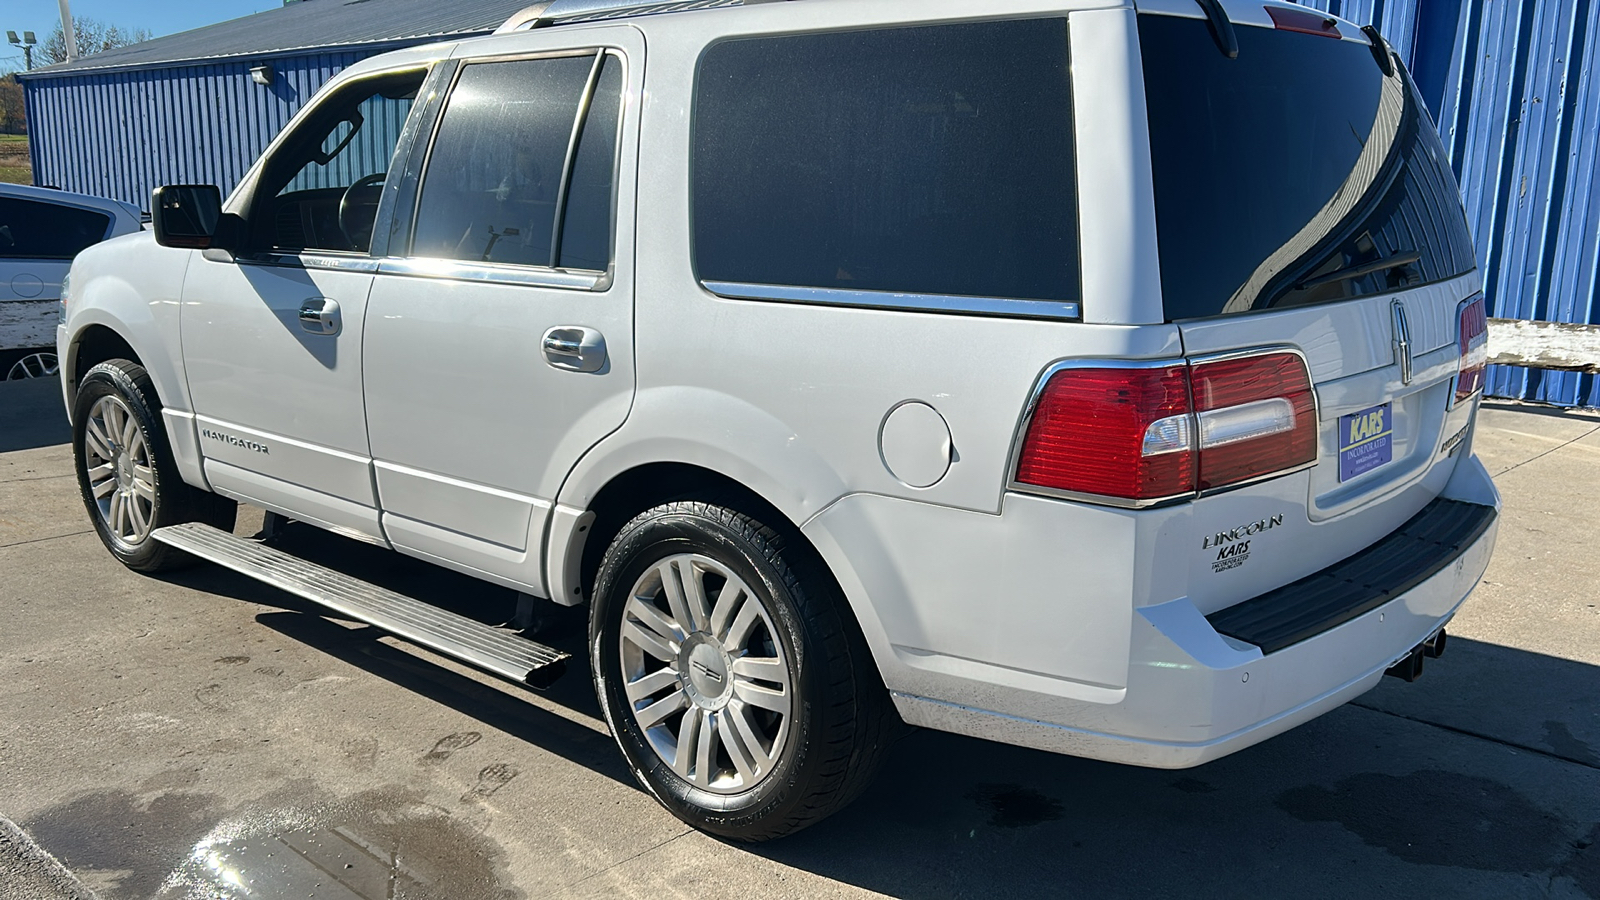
1513	85
123	134
301	29
1518	103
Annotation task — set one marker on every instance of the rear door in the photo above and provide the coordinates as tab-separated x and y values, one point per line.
499	342
1303	200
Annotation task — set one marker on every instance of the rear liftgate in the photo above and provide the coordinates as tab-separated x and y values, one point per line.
488	648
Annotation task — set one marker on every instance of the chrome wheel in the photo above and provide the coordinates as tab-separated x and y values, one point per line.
706	680
34	365
121	477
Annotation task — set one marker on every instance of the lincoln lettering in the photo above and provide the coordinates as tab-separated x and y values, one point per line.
1242	532
241	443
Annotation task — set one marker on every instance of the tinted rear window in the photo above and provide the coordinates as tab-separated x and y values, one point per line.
34	230
928	160
1295	161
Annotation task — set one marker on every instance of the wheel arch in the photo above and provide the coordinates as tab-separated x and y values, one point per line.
693	443
92	346
627	494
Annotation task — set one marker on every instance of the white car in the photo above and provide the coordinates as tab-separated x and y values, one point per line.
855	361
41	230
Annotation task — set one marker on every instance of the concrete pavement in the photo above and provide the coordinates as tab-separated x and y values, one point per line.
158	734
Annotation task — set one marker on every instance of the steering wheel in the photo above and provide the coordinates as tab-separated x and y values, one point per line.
358	209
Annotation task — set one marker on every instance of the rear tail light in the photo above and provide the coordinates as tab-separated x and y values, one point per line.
1258	416
1112	432
1139	435
1474	345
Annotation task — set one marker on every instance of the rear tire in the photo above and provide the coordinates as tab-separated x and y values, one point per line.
741	696
126	473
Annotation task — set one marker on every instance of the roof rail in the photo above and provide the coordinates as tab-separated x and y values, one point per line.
561	12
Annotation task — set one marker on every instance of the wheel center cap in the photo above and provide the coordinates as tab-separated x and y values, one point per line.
706	671
124	470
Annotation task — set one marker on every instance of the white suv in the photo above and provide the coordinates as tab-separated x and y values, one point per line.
1078	375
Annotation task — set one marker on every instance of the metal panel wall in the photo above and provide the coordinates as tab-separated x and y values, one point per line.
1514	87
123	134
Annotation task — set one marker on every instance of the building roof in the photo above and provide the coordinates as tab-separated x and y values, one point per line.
302	26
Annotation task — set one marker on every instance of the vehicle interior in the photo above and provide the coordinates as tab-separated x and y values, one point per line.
320	190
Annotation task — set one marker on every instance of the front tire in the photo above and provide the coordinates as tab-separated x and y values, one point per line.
742	698
126	473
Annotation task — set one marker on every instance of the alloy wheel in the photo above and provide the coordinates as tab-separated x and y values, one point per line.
121	477
34	365
707	681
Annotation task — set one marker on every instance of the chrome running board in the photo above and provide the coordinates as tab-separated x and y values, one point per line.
468	640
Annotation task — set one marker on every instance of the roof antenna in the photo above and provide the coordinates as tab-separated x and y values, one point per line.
1221	28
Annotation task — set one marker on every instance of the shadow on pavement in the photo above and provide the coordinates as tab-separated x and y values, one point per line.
1504	788
32	415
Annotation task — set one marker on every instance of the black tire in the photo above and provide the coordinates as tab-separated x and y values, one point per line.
840	719
175	501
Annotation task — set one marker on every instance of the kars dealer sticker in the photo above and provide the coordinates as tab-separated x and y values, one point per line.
1366	441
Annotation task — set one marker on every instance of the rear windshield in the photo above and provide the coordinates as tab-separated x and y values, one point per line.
1281	171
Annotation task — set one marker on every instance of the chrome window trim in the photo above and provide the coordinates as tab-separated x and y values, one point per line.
339	262
1026	420
1065	310
494	273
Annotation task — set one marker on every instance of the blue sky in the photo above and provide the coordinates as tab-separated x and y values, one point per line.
160	16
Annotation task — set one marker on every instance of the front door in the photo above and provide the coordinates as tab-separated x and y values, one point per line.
272	335
499	341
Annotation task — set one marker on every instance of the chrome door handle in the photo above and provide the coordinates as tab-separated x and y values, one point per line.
319	315
574	348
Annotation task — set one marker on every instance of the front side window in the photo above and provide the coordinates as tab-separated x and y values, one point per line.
522	167
320	189
924	160
34	230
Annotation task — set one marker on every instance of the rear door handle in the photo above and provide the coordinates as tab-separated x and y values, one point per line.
575	348
319	315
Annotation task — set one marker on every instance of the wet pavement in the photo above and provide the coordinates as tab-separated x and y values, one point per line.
202	736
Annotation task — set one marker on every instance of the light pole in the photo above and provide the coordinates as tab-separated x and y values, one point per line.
69	32
26	42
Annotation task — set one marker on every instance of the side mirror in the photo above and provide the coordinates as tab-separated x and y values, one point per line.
188	216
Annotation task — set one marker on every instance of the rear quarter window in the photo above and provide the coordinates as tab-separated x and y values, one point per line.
922	160
31	229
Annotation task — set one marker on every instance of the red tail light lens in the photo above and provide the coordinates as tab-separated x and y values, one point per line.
1257	416
1474	345
1147	434
1112	432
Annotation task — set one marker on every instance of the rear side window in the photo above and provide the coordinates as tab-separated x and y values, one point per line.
926	160
1298	160
34	230
500	177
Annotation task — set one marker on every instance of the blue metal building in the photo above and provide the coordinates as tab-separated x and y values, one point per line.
185	109
1513	84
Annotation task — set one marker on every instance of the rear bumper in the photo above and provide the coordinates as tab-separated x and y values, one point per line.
1194	695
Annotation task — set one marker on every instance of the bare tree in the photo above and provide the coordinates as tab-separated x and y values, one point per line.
94	36
12	118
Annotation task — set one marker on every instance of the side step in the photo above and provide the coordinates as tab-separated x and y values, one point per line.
468	640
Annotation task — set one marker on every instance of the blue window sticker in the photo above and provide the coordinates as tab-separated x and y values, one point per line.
1366	441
